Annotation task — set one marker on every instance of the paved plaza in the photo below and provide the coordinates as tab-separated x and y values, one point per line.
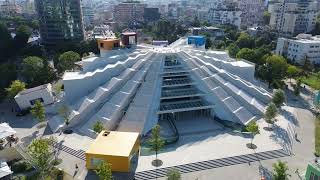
222	143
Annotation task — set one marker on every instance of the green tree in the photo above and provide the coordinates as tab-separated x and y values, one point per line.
276	68
278	97
261	55
233	49
22	36
5	42
34	24
15	87
293	72
117	34
42	153
307	67
245	41
271	113
196	22
64	112
253	128
31	67
8	73
173	174
266	17
98	127
104	171
297	87
156	142
67	61
208	44
280	171
247	54
38	111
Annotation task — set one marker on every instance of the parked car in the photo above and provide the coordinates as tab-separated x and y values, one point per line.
23	112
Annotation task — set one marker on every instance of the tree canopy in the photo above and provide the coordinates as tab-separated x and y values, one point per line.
15	87
42	152
293	71
156	142
98	127
233	49
22	35
276	68
270	113
31	67
280	171
38	111
173	174
247	54
67	61
104	171
245	41
278	97
253	128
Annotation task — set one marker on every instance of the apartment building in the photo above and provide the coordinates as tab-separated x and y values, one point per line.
252	12
129	12
292	17
301	47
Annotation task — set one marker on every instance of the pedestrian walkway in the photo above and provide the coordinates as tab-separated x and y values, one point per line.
77	153
211	164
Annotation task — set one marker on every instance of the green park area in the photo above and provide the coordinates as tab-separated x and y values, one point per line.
312	80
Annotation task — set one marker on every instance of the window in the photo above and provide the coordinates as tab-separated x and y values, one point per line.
32	102
314	176
95	162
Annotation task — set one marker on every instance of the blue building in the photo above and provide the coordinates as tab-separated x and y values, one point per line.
197	40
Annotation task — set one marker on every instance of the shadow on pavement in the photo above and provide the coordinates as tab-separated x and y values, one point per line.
281	137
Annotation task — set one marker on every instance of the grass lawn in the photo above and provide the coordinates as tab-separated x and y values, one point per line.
317	136
312	81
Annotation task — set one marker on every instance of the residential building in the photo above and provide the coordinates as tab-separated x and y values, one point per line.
225	12
151	14
28	7
27	98
9	8
88	15
60	21
252	12
292	17
129	12
301	47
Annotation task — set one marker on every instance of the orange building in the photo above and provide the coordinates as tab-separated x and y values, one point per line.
108	44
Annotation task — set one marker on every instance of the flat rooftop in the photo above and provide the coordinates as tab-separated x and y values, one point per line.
113	143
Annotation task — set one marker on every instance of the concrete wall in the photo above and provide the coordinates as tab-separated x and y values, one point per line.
9	154
79	85
23	101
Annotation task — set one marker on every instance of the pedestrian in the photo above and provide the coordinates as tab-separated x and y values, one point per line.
76	170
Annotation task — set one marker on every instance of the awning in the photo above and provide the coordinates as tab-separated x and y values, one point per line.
6	130
4	169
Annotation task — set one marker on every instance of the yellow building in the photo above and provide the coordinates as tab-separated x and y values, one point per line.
114	147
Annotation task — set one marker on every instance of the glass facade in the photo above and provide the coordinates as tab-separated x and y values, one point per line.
60	20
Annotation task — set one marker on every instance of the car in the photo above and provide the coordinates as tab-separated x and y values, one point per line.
23	112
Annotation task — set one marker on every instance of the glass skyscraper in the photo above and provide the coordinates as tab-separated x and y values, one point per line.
60	21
